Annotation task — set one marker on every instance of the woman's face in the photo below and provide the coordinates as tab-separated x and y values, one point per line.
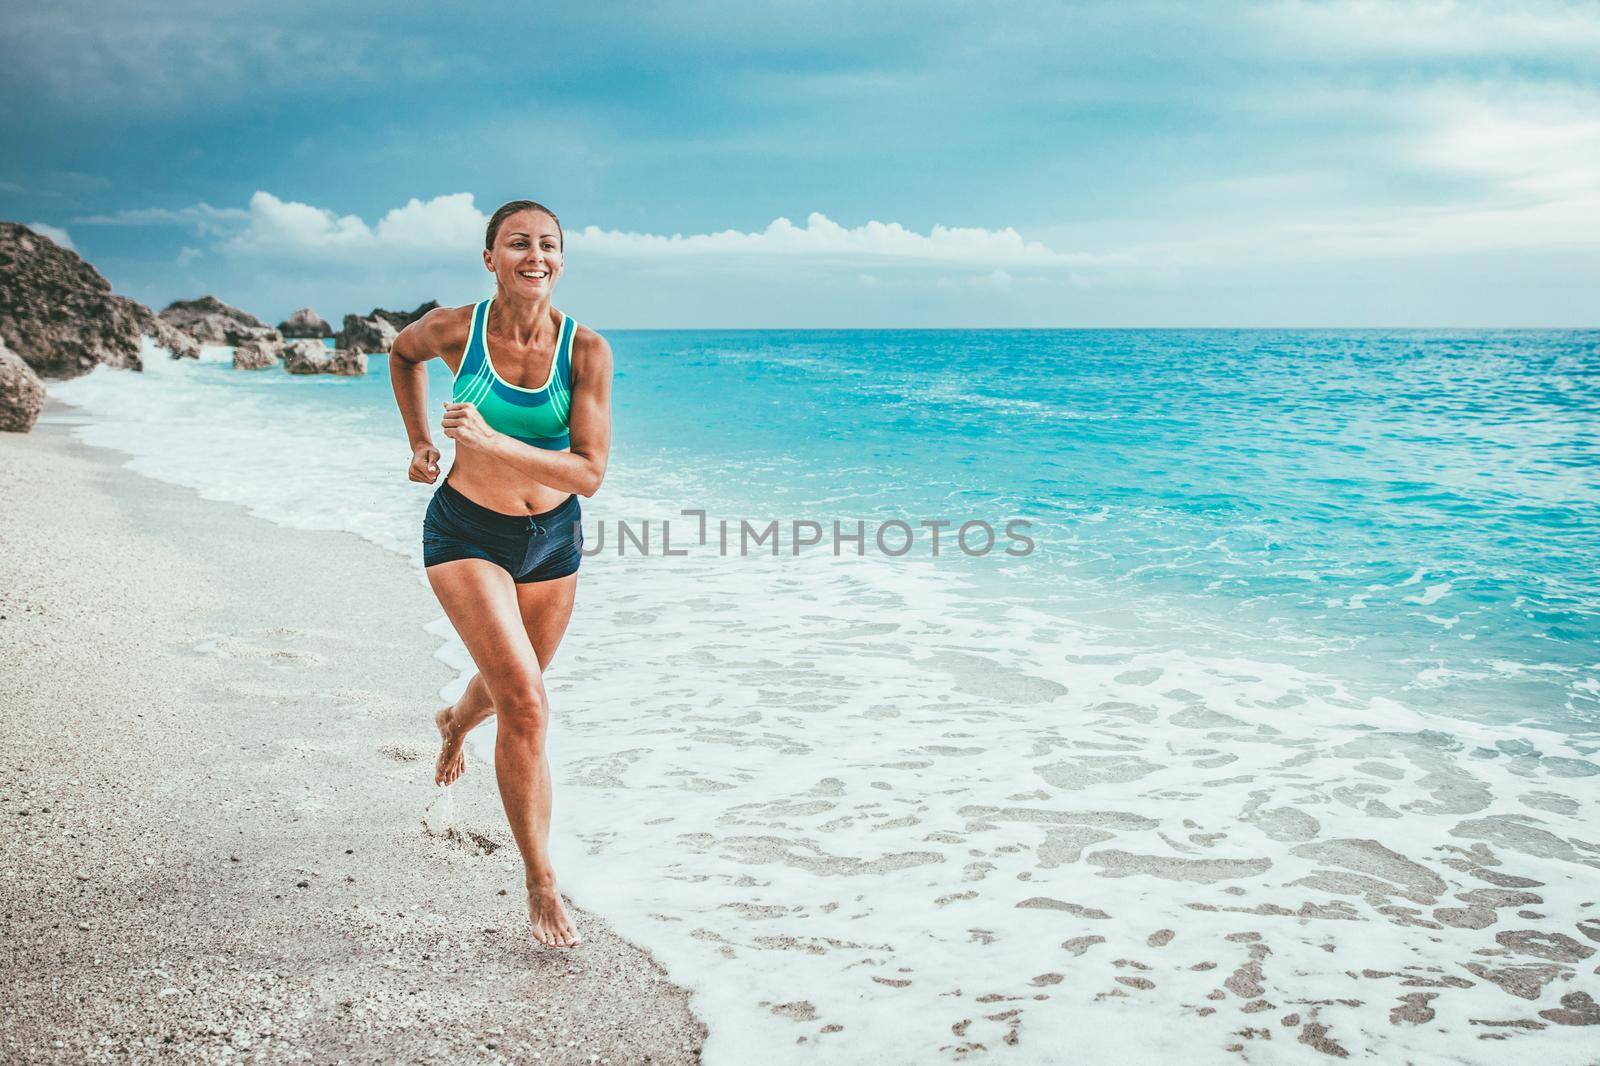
526	257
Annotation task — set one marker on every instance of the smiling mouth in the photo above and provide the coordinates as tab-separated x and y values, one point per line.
533	275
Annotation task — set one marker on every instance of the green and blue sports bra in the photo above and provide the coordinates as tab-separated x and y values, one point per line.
539	417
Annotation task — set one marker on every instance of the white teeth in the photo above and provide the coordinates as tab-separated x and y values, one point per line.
534	274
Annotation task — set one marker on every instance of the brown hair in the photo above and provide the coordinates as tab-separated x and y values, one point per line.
510	208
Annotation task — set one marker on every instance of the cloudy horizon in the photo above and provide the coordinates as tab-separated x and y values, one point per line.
1287	164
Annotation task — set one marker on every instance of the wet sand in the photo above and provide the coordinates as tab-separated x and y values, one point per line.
218	749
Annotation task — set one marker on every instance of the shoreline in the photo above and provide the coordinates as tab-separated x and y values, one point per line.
940	823
236	863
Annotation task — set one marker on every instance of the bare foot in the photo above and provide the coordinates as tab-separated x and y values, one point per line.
551	925
452	762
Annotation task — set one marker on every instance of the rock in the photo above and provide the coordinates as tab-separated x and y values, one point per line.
170	337
401	319
305	357
351	364
312	357
259	354
305	323
58	314
21	393
366	334
210	321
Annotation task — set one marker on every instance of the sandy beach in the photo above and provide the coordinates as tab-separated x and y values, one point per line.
217	755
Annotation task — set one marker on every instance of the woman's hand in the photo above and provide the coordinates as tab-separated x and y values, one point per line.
464	425
424	464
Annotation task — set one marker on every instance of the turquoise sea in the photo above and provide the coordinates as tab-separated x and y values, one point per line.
1418	511
1293	708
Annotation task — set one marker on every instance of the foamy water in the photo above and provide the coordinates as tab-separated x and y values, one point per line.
891	809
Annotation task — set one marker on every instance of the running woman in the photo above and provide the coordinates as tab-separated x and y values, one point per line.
530	414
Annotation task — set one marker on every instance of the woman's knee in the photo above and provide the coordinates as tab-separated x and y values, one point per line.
522	707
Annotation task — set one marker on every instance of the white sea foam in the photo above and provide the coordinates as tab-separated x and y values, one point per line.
868	815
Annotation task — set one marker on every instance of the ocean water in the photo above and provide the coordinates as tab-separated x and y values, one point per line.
1280	741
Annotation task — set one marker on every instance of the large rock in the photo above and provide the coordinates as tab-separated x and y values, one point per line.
170	337
59	314
401	319
366	334
311	357
210	321
346	362
260	354
21	393
305	323
305	357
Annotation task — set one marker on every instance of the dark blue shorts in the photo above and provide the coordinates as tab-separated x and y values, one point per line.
540	547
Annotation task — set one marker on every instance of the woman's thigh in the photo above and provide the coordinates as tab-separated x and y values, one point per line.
481	602
546	607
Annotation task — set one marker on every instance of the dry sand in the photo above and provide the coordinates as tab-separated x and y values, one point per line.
218	748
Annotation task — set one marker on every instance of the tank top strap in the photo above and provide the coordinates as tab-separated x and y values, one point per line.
563	374
473	357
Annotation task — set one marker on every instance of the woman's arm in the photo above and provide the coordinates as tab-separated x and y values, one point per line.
579	470
417	343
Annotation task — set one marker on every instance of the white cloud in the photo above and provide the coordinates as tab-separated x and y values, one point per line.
450	228
444	226
55	233
822	237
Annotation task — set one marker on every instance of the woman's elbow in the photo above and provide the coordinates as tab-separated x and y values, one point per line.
589	484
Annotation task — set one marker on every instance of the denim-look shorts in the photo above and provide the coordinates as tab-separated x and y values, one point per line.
540	547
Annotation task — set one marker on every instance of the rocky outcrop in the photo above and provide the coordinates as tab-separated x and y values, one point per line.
305	323
401	319
305	357
210	321
21	393
260	354
311	357
170	337
58	314
376	332
351	364
366	334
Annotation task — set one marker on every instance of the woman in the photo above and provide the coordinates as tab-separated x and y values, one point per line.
530	413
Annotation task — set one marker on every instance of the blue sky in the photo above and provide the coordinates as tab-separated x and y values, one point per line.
830	164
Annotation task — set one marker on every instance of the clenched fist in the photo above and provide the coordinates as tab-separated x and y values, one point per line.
424	464
464	425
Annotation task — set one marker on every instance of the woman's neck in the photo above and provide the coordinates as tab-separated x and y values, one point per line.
518	317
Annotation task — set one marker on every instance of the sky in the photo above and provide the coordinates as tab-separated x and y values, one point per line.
1345	163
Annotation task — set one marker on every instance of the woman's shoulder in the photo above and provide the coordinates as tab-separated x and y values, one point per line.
591	358
589	344
448	317
444	329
